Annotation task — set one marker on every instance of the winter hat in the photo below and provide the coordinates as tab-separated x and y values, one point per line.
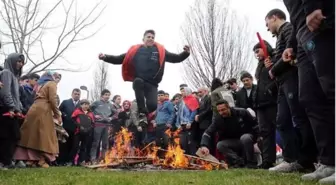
84	101
245	75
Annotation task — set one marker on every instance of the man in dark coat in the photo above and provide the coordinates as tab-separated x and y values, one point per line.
299	150
204	116
67	107
313	45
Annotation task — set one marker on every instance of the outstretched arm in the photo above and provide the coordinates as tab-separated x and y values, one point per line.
176	58
112	59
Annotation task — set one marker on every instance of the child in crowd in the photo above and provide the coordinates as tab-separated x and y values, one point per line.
84	120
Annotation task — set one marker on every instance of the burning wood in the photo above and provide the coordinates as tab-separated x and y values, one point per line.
123	155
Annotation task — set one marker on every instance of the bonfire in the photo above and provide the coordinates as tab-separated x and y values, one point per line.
123	154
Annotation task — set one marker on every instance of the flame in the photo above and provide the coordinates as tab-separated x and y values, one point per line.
173	158
122	146
175	155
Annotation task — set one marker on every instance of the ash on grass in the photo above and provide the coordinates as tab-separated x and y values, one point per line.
83	176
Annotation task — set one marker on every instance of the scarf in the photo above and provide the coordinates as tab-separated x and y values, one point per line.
189	100
46	77
126	102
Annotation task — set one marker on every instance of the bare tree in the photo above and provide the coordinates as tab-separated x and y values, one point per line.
27	24
220	42
100	80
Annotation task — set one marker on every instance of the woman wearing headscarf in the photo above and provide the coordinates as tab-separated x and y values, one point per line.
185	117
10	107
38	144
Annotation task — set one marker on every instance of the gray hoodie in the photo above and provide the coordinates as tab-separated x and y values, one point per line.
9	94
104	109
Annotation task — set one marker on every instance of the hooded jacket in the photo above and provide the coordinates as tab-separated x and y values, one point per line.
9	94
266	92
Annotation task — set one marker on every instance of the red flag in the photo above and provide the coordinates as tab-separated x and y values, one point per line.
263	45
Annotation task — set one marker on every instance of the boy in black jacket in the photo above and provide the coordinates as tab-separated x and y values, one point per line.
265	104
84	119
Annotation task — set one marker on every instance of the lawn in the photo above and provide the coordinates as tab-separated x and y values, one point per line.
82	176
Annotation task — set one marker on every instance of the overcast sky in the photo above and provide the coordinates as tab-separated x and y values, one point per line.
124	23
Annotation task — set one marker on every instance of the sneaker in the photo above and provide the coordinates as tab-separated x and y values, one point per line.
286	167
20	164
328	180
265	165
321	172
143	119
43	164
11	165
2	167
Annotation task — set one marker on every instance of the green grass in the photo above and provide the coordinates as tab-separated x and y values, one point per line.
82	176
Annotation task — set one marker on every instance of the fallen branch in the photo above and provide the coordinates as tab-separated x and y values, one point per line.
134	162
110	165
123	162
153	142
222	165
130	157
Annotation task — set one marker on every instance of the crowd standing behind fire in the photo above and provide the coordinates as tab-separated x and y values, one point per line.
293	100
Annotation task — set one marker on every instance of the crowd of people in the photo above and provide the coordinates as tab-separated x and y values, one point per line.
291	97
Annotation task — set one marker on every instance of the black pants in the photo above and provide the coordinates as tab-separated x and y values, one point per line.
7	149
145	92
293	125
65	149
316	64
80	142
266	120
137	137
89	146
9	136
187	141
236	150
161	138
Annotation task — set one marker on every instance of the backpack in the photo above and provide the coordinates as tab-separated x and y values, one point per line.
85	123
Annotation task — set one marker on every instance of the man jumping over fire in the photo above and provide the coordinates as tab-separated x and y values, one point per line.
143	64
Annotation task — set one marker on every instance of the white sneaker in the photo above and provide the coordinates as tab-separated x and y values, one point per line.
286	167
323	171
328	180
2	167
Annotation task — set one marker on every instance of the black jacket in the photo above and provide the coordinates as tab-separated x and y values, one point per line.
67	107
282	70
154	76
300	9
240	122
243	101
267	91
27	97
205	112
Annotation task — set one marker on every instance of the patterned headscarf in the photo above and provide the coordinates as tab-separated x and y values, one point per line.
46	77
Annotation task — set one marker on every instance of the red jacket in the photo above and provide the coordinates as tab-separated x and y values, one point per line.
127	65
78	115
